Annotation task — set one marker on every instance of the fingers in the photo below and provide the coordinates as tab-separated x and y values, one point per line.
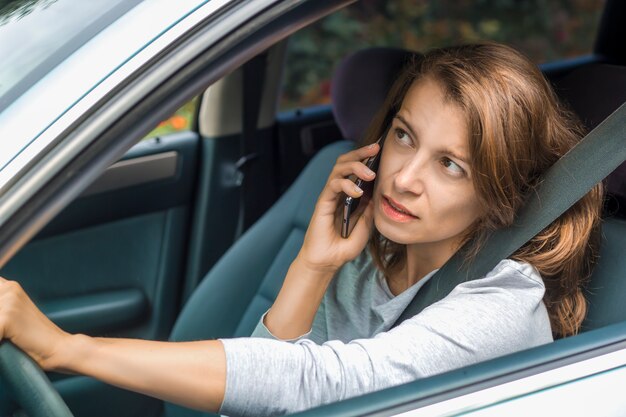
338	183
360	153
10	287
357	168
349	165
346	186
11	294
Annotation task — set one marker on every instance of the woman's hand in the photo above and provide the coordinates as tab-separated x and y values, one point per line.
324	249
28	328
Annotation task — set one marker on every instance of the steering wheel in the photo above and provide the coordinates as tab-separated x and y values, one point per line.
29	385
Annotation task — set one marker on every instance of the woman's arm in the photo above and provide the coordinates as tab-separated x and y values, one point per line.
192	374
299	298
481	319
323	251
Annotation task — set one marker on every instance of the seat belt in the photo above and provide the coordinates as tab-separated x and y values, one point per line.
253	81
592	159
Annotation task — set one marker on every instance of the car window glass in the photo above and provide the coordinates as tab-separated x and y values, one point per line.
55	28
545	31
183	119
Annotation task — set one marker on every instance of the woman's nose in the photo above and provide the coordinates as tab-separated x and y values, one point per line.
410	178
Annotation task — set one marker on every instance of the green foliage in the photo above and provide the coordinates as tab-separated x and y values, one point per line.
545	30
183	119
16	9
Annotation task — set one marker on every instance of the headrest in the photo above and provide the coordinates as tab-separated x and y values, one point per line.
593	93
360	84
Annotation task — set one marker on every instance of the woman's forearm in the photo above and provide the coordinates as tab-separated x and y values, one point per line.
297	302
192	374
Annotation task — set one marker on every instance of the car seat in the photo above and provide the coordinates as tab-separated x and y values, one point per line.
245	281
593	92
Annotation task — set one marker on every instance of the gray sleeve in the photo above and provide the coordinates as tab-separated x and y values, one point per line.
474	323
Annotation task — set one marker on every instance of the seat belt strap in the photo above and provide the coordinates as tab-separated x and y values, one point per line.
253	81
592	159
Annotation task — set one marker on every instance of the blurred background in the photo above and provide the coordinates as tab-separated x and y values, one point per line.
549	30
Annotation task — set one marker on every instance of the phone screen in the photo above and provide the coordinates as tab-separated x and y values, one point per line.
352	207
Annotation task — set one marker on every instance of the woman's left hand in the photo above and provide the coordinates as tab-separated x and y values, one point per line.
28	328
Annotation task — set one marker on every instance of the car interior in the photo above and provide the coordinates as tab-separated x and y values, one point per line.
190	235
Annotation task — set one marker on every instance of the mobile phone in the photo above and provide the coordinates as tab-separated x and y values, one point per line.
351	205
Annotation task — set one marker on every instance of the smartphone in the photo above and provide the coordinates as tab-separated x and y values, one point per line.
351	213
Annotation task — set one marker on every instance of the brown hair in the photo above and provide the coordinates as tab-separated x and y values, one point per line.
517	129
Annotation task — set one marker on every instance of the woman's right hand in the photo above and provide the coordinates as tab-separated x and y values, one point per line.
28	328
324	249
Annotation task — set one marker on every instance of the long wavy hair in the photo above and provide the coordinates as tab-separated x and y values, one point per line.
517	129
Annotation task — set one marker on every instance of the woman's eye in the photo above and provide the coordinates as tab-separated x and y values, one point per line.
402	137
452	167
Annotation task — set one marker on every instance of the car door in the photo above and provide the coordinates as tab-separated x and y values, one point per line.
113	262
121	259
116	261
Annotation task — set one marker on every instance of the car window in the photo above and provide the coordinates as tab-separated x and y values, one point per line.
549	31
56	28
183	119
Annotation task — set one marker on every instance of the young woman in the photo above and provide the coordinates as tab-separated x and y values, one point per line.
469	130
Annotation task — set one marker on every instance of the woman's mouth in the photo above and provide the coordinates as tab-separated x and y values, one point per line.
396	211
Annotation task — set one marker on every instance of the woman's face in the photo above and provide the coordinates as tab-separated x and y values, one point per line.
424	192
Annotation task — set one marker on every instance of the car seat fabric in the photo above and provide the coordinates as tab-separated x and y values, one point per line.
245	281
593	92
242	285
606	289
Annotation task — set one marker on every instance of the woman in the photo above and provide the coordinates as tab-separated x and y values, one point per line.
468	132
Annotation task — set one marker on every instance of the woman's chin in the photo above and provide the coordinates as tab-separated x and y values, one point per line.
391	232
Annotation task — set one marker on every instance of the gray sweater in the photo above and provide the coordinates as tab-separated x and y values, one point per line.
352	351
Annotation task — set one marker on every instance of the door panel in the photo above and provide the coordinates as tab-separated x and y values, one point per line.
88	397
104	311
113	262
121	246
126	197
140	255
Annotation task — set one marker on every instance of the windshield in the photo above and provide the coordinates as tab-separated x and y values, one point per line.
37	35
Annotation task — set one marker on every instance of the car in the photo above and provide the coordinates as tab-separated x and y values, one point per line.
187	235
